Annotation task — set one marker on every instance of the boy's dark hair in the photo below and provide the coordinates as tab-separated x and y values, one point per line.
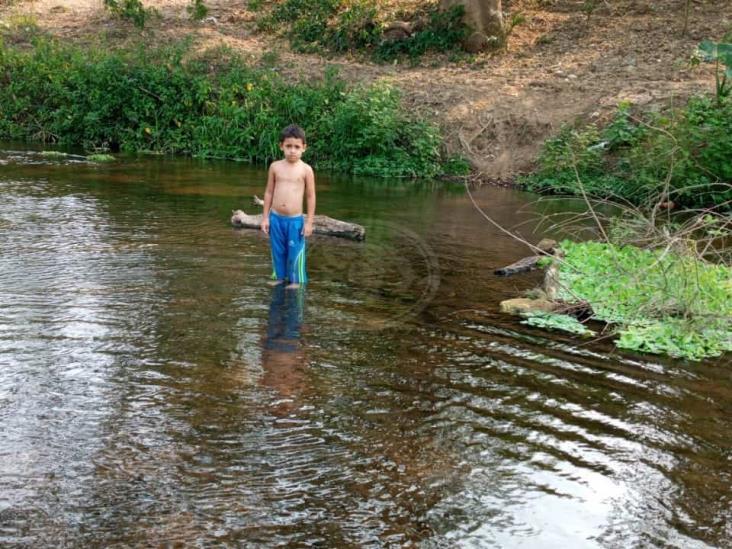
293	130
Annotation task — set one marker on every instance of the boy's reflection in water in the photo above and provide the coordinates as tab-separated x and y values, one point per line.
283	359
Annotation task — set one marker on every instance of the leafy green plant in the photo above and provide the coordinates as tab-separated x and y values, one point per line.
457	166
358	26
443	31
684	154
721	55
589	7
19	27
623	131
574	157
514	21
354	28
26	21
197	10
552	321
662	301
99	157
53	155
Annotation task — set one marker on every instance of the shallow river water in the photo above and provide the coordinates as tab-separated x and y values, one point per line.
155	391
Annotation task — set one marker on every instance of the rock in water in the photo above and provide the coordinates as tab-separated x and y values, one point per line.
523	305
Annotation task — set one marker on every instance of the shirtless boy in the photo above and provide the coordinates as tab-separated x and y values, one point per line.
288	182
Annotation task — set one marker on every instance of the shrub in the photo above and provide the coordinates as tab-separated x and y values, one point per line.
684	155
129	9
137	100
357	26
197	10
444	31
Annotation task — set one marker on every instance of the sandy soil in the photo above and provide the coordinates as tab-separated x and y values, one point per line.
496	109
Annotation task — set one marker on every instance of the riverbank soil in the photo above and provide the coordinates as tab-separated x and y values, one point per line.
494	108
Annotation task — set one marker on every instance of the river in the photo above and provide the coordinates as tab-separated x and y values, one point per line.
155	391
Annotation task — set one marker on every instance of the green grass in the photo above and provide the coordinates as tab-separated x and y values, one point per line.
100	158
213	105
663	302
53	155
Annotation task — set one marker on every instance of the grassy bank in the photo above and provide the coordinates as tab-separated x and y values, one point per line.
210	105
680	156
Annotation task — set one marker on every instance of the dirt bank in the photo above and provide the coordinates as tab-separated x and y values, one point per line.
495	109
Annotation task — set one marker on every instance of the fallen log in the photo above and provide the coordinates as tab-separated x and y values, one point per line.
520	266
322	224
546	246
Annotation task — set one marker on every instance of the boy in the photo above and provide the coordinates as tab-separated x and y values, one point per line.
288	182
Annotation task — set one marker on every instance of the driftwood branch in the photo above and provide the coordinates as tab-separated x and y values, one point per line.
547	246
551	278
520	266
322	224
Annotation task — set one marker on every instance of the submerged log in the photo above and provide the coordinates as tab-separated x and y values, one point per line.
322	224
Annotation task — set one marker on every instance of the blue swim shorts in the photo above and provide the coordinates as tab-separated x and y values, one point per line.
288	247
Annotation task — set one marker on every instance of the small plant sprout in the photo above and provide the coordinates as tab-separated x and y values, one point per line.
721	55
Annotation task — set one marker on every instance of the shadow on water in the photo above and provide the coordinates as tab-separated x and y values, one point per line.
154	390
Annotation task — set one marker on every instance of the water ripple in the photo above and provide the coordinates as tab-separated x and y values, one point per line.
153	391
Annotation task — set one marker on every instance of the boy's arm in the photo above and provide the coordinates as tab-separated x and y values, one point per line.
310	197
268	192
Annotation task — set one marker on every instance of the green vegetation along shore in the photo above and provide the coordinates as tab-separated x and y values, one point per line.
210	105
661	301
660	275
677	155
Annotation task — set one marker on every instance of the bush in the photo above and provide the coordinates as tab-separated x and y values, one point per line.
443	32
132	10
358	26
683	155
141	100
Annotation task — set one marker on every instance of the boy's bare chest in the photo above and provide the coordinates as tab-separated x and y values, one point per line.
290	176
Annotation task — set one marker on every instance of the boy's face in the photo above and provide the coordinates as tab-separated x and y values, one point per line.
293	147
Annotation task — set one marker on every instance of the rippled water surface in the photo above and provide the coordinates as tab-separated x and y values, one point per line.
154	390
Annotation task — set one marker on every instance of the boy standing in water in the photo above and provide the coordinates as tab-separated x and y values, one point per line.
288	182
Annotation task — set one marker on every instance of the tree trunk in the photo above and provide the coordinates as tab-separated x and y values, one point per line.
484	17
